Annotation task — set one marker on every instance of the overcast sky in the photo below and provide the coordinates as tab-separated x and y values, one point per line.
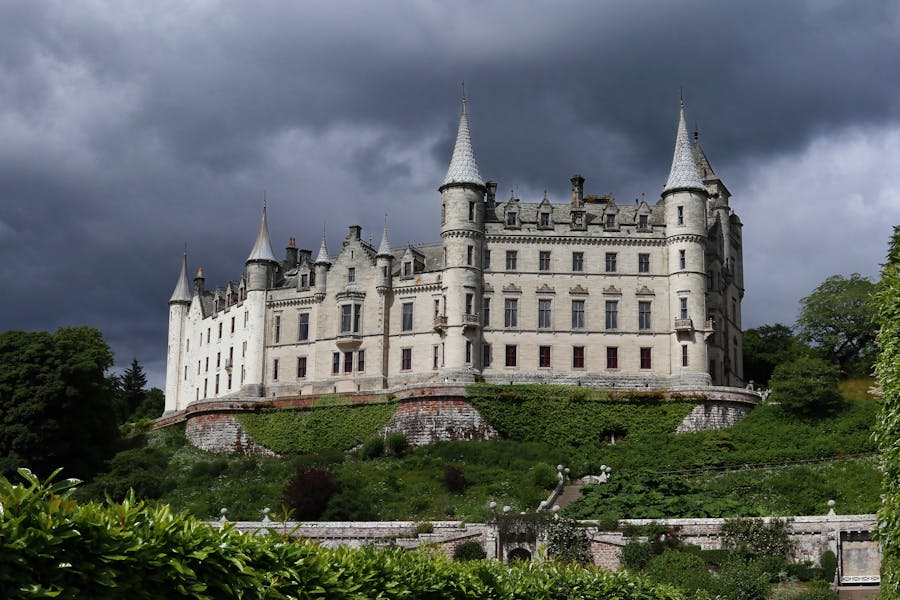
128	129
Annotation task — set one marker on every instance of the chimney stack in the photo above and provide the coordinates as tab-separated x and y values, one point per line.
577	190
290	255
199	281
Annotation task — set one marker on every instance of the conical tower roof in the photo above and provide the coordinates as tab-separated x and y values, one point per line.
684	174
262	249
384	248
323	252
463	168
182	291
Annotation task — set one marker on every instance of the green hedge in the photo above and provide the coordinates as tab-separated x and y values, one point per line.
51	546
308	431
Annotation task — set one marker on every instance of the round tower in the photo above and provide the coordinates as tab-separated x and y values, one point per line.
462	235
322	264
179	304
261	269
685	199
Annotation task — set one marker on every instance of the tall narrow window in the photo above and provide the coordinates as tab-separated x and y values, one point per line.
511	219
486	312
407	269
357	317
468	352
220	331
684	355
232	324
435	357
544	260
683	308
578	357
471	211
643	263
544	357
544	316
577	314
610	262
643	222
681	215
348	362
544	219
511	257
511	313
346	318
470	298
274	371
301	367
486	356
304	280
682	260
578	262
335	363
486	260
511	356
303	334
277	328
643	315
406	359
217	382
361	360
612	314
407	323
351	275
612	357
610	221
646	362
469	255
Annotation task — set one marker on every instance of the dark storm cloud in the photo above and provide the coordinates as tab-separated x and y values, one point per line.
128	129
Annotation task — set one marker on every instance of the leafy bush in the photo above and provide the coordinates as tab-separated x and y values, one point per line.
755	537
308	492
636	555
568	542
372	448
470	550
681	569
807	386
742	581
454	480
828	562
424	527
543	475
396	443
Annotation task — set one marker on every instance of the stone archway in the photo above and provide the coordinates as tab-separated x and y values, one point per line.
517	554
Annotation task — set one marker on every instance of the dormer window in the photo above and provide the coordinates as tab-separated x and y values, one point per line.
407	268
643	221
511	219
304	280
544	219
351	275
610	221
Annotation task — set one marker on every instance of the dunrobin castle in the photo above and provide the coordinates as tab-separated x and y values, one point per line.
586	292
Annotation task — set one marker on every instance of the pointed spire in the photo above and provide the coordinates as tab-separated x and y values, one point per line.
182	291
323	251
262	249
463	168
384	249
684	174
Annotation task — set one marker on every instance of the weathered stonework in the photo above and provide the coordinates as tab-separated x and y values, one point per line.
711	415
424	421
221	433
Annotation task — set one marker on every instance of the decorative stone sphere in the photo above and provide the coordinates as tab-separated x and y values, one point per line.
492	505
555	508
506	509
223	511
559	467
831	504
603	468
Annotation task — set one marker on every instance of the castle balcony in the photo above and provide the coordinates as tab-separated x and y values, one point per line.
471	320
684	325
440	323
347	340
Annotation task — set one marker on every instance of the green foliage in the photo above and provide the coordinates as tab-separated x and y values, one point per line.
680	569
372	448
308	492
742	581
543	475
838	318
56	403
55	547
807	386
756	537
454	479
567	542
352	502
470	550
828	562
887	429
301	432
765	348
396	443
139	469
636	555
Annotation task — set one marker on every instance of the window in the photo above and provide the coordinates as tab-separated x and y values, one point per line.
682	259
681	215
510	356
578	357
435	355
578	261
610	221
469	255
610	262
301	367
646	358
486	260
198	367
470	298
361	360
304	327
407	269
229	382
277	328
544	219
511	218
217	378
188	349
357	315
468	352
205	386
612	357
274	373
185	373
612	314
346	318
544	357
335	363
351	275
486	312
511	256
544	260
544	317
709	280
304	280
243	349
246	318
577	314
406	359
684	355
348	362
683	309
471	211
643	222
511	313
218	359
643	263
206	368
384	272
207	335
407	323
734	315
232	324
486	356
643	315
220	331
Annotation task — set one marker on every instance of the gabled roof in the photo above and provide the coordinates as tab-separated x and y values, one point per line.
262	249
182	291
684	174
463	168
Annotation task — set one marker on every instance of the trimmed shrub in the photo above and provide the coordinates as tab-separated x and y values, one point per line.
470	550
396	443
828	562
636	555
372	448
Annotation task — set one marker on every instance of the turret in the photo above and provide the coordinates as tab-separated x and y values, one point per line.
462	234
291	255
384	262
322	264
179	304
262	262
685	200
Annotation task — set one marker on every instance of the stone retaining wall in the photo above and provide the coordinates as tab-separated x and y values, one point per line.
221	433
424	421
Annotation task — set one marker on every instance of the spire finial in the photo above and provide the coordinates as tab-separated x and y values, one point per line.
463	85
323	249
182	293
262	249
463	168
384	249
681	96
684	174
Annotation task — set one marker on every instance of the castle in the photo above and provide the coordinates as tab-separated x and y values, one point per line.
586	292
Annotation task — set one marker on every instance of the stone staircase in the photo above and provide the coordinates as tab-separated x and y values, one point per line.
570	494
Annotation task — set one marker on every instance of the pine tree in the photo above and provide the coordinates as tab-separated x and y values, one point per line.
131	388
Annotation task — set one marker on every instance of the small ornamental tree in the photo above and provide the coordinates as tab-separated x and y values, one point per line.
470	550
807	386
567	542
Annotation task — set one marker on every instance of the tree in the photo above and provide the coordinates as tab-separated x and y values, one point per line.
838	318
308	492
131	387
56	403
765	348
567	542
887	427
807	386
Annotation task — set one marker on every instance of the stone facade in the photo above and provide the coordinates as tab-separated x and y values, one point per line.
585	291
221	433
